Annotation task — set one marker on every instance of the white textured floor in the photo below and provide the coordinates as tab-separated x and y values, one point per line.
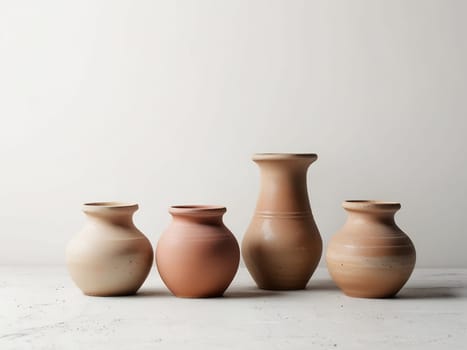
40	308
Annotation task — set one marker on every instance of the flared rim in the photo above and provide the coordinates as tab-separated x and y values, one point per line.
113	205
197	209
277	156
370	204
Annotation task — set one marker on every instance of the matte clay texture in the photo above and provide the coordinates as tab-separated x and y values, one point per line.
370	257
109	256
197	256
282	246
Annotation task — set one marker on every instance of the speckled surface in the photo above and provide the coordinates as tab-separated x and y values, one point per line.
40	308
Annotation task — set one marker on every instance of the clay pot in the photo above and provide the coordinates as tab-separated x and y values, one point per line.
109	256
370	257
197	256
282	245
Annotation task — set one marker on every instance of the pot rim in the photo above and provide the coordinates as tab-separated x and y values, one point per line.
277	156
110	205
369	204
197	209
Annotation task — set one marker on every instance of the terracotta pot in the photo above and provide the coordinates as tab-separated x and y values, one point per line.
197	256
110	256
282	245
370	257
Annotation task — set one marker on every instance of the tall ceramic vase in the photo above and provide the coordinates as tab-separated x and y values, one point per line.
197	256
282	245
370	256
109	256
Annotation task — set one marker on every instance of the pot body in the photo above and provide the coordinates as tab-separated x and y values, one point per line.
282	245
370	257
197	256
109	256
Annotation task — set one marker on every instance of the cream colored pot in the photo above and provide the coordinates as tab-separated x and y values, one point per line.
109	256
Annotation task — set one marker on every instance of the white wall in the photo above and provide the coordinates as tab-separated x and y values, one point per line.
163	102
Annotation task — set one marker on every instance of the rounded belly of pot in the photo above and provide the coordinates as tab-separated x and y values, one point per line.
378	268
105	267
282	253
192	266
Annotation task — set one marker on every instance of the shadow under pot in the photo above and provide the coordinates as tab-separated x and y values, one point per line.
370	256
109	256
282	245
197	256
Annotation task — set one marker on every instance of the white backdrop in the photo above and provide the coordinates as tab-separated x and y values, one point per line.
163	102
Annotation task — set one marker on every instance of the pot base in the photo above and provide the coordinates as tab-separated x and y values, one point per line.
118	294
363	295
217	295
282	287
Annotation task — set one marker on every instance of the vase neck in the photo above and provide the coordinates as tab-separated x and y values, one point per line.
283	184
113	213
375	211
366	217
